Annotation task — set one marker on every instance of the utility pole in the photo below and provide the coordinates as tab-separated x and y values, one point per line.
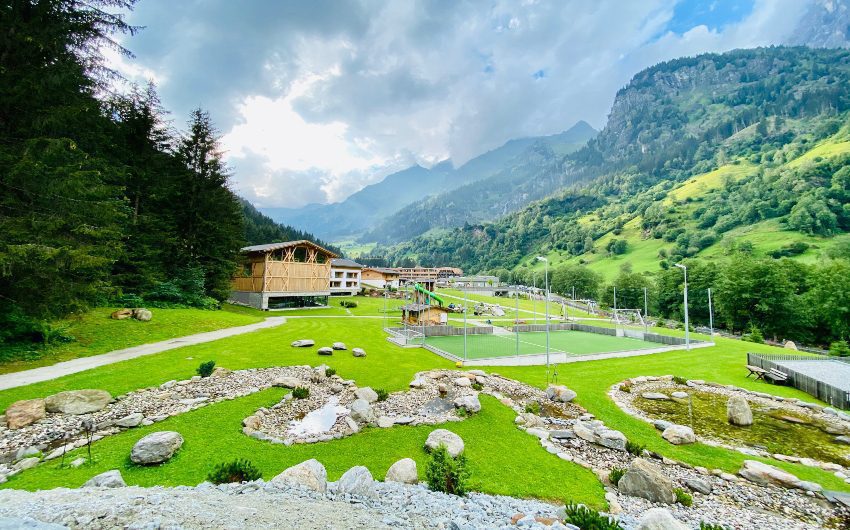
687	326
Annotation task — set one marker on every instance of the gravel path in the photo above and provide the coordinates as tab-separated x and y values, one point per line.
46	373
835	373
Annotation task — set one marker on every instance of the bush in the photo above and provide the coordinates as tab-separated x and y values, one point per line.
206	369
587	519
679	380
329	372
533	407
616	474
461	412
683	498
754	335
237	471
186	289
839	348
348	303
300	392
710	526
477	387
634	448
446	474
382	394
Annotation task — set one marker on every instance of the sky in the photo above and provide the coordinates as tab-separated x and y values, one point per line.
317	99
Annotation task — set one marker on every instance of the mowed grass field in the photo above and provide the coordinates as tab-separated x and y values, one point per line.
531	343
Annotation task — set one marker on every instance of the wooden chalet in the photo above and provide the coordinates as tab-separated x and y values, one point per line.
288	275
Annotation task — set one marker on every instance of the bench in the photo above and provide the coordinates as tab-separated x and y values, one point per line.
775	376
756	371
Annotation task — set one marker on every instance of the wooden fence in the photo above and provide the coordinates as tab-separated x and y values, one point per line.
837	397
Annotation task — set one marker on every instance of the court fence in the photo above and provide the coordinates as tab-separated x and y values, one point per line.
613	332
837	397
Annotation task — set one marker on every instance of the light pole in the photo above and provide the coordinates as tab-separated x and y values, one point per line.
710	316
546	276
687	327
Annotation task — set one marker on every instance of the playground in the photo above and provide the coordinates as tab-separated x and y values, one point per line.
561	343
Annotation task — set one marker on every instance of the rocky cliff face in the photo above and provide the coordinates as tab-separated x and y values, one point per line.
825	25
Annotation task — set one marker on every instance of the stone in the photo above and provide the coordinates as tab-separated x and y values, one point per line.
660	519
252	422
738	411
78	401
287	382
662	425
78	462
679	395
27	463
121	314
27	523
655	395
168	384
325	351
156	448
352	425
648	481
529	419
358	352
453	442
790	345
303	343
220	371
463	382
310	474
842	440
356	481
25	412
366	393
470	403
612	439
26	452
131	420
339	346
560	393
361	411
562	434
403	471
385	422
699	485
142	315
109	479
543	434
679	435
417	383
764	474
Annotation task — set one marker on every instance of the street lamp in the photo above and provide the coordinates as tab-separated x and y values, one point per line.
546	261
687	327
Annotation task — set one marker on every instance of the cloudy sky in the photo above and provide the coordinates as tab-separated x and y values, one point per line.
316	99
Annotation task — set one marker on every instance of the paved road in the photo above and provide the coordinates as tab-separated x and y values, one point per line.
45	373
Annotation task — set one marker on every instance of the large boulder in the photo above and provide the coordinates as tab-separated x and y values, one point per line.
358	352
790	345
339	346
26	412
78	401
121	314
156	448
646	480
762	473
109	479
403	471
469	402
287	382
560	393
660	519
463	382
612	439
131	420
738	411
325	350
453	442
361	411
366	393
679	435
303	343
356	481
142	314
310	474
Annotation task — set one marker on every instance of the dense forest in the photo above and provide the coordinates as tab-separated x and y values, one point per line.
102	199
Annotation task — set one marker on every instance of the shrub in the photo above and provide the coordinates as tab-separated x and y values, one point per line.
462	412
683	498
634	448
446	474
754	335
329	372
382	394
300	392
679	380
533	407
206	369
237	471
587	519
710	526
348	303
626	387
616	474
477	387
839	348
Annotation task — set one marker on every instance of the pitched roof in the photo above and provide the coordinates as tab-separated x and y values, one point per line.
342	262
383	270
287	244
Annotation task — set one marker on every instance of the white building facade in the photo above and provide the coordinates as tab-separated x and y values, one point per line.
345	277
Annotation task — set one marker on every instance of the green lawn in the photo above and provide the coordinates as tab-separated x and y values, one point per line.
95	333
571	342
503	459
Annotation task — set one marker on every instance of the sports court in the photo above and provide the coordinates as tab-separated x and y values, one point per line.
531	343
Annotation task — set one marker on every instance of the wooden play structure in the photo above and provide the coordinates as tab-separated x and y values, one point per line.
425	308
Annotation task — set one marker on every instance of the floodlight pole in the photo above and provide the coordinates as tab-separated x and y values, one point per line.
465	309
546	272
645	310
710	316
615	308
687	327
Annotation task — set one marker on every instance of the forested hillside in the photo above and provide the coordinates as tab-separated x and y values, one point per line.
261	229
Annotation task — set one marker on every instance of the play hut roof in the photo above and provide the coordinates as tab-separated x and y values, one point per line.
268	247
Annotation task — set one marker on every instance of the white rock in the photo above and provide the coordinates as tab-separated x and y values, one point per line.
156	447
655	395
358	352
659	519
78	401
463	382
310	474
385	422
738	411
679	395
303	343
357	481
543	434
470	403
339	346
361	411
131	420
287	382
679	435
560	393
403	471
109	479
27	463
366	393
453	442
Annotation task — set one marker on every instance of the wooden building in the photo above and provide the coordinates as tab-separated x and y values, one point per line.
287	275
379	278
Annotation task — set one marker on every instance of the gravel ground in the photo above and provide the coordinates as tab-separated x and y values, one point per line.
835	373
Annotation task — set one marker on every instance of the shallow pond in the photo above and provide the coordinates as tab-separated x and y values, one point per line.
775	430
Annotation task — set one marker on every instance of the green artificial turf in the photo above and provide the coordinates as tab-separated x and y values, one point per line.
570	342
